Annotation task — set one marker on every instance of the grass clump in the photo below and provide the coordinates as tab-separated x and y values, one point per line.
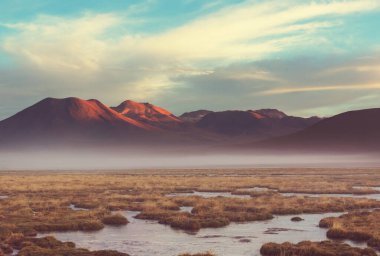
356	226
115	220
48	246
307	248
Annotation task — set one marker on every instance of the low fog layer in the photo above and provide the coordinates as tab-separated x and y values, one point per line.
124	160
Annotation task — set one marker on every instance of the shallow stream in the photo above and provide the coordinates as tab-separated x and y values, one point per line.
146	238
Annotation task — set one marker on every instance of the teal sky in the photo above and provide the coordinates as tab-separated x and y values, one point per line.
303	57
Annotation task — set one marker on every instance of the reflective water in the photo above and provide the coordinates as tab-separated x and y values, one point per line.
369	196
263	189
73	207
256	189
186	209
143	238
363	187
146	238
210	194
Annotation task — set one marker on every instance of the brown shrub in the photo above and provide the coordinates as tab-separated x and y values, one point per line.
296	219
115	220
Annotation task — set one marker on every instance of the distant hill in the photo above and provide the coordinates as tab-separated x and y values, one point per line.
262	123
354	130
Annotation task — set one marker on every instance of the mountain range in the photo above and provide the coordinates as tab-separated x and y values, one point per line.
73	121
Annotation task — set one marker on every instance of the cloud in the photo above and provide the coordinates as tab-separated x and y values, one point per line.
243	31
321	88
235	33
334	74
299	86
97	55
57	44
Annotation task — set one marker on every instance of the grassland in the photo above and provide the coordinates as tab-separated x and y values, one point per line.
40	201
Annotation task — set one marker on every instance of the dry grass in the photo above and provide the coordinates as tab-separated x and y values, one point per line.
357	226
49	246
307	248
285	180
39	201
115	220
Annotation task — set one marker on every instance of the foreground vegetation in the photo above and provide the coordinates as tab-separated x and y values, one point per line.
307	248
48	246
356	226
51	201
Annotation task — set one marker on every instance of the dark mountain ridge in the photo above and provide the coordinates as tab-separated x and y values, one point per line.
354	131
258	123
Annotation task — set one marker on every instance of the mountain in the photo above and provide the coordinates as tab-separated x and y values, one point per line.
256	124
71	118
148	113
75	121
194	116
354	130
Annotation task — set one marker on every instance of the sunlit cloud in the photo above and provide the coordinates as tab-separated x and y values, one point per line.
321	88
231	32
57	44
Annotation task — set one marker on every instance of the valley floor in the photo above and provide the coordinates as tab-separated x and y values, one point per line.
191	205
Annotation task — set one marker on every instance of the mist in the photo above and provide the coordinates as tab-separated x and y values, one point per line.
169	159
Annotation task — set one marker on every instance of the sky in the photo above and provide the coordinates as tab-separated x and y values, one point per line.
306	58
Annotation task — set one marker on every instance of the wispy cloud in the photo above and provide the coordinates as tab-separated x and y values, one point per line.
236	33
321	88
297	85
245	31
